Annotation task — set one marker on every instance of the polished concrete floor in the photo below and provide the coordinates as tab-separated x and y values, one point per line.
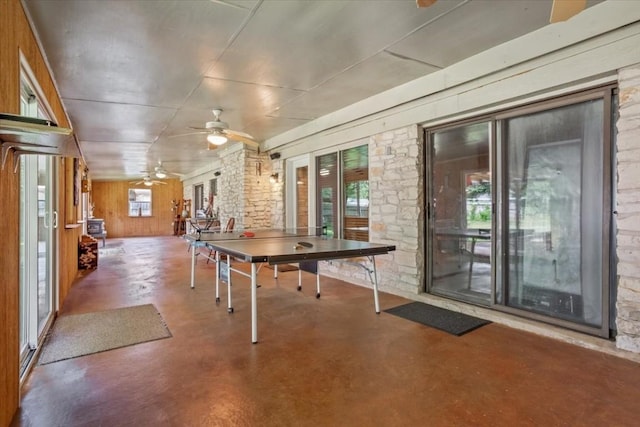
319	362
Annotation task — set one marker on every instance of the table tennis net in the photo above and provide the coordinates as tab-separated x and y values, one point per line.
239	232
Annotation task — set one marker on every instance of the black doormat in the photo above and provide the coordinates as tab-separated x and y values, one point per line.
446	320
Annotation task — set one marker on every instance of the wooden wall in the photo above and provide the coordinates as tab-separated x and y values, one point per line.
15	37
111	204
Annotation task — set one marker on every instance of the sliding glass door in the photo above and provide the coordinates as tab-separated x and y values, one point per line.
519	211
38	223
461	212
554	177
37	248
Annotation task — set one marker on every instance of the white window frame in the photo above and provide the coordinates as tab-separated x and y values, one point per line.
137	211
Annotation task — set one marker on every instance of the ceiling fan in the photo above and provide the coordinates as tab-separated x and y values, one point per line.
561	10
218	132
162	173
148	181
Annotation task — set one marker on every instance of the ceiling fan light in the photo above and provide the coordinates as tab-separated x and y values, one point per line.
161	174
216	138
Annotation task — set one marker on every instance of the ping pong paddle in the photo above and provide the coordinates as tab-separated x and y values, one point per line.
248	234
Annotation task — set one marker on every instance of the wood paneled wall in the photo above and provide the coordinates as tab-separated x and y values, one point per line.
15	37
111	200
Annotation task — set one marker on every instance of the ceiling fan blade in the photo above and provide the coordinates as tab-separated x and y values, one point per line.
200	131
158	182
561	10
169	174
241	136
425	3
238	133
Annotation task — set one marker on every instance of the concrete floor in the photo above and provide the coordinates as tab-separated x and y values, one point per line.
326	362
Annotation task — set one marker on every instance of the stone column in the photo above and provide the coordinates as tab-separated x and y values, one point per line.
628	207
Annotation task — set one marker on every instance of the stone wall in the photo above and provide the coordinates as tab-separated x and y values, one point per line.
395	212
628	207
277	194
231	187
256	211
244	190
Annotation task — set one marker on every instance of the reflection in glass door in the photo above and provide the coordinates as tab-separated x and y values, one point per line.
46	225
461	213
555	216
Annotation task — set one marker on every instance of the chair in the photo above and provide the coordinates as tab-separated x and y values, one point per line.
230	224
97	230
480	251
206	225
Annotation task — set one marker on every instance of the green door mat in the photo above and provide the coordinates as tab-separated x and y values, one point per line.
82	334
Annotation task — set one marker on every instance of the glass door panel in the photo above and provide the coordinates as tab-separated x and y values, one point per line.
302	197
37	226
25	267
45	240
555	219
299	206
460	235
38	222
327	203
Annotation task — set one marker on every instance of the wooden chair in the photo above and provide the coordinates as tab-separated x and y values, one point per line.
230	224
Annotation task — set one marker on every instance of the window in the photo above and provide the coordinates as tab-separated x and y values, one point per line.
198	197
213	187
139	202
328	193
343	193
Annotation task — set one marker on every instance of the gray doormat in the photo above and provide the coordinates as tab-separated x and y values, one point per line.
82	334
446	320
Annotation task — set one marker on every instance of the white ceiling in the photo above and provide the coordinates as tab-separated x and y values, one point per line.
131	74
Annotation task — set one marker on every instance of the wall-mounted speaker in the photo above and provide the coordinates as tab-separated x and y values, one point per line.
274	156
217	173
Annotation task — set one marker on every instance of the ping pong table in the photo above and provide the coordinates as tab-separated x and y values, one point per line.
276	247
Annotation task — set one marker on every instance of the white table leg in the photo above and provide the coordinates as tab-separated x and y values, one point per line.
375	285
254	305
217	277
193	267
229	306
317	283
